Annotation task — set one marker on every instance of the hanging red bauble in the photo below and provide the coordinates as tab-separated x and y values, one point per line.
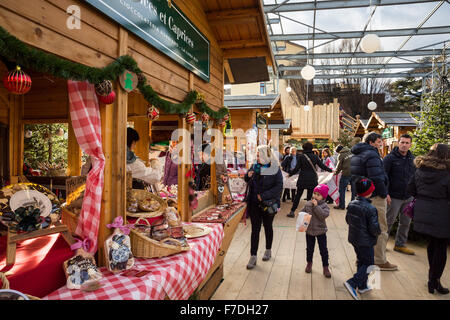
17	81
205	117
152	113
190	117
107	99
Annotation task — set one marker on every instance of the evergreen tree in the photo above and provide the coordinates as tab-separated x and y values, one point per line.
434	120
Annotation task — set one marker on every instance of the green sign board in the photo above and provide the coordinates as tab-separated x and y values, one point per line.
166	28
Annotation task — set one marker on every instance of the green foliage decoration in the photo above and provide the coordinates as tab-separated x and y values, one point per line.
18	52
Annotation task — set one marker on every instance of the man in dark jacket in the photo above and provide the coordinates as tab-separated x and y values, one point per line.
307	178
363	230
399	166
367	162
343	166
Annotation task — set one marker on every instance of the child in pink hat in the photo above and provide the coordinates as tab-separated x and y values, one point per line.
319	211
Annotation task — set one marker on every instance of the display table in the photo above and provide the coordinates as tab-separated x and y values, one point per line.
175	277
230	220
38	268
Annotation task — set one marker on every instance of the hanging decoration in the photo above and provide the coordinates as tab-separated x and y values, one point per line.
15	50
128	80
107	99
103	88
226	117
190	117
17	81
370	43
372	105
306	107
288	88
205	117
308	72
152	113
28	134
200	97
60	132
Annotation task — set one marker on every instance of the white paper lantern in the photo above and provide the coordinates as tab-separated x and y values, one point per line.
372	105
306	107
370	43
308	72
288	89
28	134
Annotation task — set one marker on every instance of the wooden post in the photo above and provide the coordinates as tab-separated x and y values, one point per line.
73	153
16	144
141	125
183	168
114	135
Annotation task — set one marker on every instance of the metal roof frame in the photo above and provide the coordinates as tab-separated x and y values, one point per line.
309	54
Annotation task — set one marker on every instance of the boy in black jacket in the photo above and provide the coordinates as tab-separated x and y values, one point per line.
363	231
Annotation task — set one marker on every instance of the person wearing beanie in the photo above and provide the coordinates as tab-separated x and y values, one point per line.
363	232
319	211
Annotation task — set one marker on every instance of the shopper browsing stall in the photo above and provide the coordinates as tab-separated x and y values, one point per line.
265	184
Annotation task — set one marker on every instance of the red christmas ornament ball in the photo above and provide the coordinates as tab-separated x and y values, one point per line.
17	81
190	118
152	113
107	99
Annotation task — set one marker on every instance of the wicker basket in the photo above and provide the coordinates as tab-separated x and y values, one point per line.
69	218
143	194
145	247
5	285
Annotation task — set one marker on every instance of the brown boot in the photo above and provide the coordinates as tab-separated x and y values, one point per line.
308	268
387	266
326	272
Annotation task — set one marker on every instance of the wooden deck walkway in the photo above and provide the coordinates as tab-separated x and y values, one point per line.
283	277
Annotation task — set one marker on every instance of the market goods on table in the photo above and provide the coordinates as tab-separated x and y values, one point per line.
219	214
158	239
118	254
81	270
26	207
144	204
196	230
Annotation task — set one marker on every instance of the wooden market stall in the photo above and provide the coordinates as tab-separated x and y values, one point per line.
96	41
390	125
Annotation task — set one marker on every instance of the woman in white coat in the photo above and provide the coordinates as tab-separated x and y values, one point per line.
152	175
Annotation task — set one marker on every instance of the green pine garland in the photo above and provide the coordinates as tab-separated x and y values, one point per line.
15	50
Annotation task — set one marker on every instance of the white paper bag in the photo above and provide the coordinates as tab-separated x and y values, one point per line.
303	220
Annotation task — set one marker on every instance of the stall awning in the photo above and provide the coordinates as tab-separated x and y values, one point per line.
397	119
267	101
240	28
279	125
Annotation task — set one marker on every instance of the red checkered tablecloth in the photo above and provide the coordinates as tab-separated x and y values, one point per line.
176	276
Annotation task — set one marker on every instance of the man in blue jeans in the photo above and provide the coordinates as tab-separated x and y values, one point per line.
343	166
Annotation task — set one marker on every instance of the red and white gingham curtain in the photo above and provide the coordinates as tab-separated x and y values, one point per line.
85	115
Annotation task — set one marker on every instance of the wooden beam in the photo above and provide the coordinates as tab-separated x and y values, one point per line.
16	144
245	53
114	135
234	21
232	13
226	66
183	168
233	44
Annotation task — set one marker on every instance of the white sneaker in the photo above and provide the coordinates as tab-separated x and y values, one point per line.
365	290
351	290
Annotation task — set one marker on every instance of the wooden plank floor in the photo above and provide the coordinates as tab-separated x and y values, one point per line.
283	277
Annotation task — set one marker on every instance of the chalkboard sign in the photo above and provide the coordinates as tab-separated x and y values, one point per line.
73	184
